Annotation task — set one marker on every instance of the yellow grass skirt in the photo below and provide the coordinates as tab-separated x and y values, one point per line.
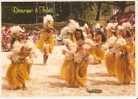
132	66
131	49
29	69
16	75
41	41
74	74
98	53
65	67
81	73
110	63
123	70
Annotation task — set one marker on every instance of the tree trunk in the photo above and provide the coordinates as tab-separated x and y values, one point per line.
98	11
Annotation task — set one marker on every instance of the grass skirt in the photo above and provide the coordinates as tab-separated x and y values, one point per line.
98	53
16	75
110	62
74	74
123	70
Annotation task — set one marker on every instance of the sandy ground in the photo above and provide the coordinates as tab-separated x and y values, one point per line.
45	80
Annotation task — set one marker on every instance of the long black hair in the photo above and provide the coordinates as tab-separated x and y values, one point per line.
98	32
80	31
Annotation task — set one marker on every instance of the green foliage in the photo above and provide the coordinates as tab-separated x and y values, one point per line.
106	9
89	15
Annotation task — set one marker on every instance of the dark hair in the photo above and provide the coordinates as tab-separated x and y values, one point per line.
128	34
102	34
79	30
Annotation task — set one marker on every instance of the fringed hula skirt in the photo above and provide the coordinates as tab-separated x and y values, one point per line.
16	76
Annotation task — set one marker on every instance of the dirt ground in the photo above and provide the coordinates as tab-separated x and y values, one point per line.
45	80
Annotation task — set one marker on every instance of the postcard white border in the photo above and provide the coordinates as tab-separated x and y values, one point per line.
74	97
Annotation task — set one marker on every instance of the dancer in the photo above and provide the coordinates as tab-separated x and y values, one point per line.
130	38
109	48
68	51
19	69
122	66
46	40
75	73
97	51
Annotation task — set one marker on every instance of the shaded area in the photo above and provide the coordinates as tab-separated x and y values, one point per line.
33	12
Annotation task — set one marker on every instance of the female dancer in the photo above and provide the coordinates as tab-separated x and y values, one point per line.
76	71
123	71
109	50
46	40
19	69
